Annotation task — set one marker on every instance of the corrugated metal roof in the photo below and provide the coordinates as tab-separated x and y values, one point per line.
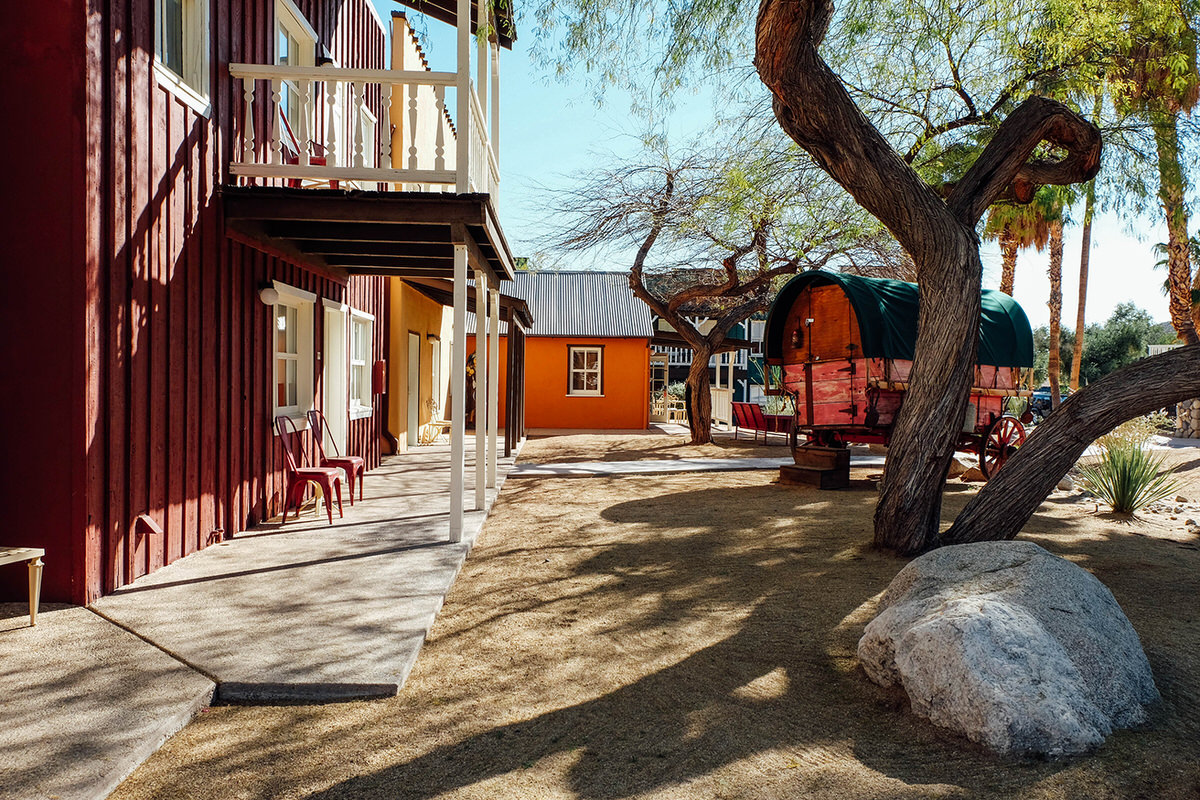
598	304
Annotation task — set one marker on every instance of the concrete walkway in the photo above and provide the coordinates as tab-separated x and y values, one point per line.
302	612
309	612
82	703
859	457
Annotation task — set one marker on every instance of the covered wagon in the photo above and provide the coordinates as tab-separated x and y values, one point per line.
843	345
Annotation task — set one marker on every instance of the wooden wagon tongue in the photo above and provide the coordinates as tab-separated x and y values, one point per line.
843	347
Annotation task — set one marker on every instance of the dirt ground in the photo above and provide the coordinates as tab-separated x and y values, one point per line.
693	636
601	447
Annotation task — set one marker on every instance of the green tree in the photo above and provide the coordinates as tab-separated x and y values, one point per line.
1120	341
1146	52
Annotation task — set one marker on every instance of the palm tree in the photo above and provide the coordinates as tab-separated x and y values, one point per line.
1156	76
1017	226
1085	253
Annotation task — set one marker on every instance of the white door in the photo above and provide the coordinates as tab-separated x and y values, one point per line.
336	384
414	387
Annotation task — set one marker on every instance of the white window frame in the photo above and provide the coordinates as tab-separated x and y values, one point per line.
303	303
572	371
192	86
362	403
290	22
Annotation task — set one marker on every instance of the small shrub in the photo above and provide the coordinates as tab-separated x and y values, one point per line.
677	389
1136	432
1127	476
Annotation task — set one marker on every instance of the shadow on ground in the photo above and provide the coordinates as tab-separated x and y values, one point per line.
641	637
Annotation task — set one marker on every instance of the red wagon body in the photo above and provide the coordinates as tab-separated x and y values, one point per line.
842	348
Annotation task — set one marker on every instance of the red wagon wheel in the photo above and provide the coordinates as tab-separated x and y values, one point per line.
1003	437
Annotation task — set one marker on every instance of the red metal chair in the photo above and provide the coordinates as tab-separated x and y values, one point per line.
299	476
355	466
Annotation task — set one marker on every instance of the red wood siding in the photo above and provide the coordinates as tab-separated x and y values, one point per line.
141	355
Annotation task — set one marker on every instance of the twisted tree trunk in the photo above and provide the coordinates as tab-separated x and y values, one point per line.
700	407
1008	255
1008	500
813	107
1053	362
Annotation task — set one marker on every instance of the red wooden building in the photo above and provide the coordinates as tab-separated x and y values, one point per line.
163	163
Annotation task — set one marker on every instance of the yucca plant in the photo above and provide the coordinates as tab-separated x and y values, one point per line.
1127	476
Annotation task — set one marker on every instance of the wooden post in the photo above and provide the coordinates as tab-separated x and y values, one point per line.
495	102
463	92
481	61
493	406
35	589
481	389
458	392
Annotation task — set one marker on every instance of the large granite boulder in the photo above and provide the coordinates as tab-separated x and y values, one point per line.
1018	649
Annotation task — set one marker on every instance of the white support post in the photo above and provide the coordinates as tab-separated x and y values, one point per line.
495	103
493	407
481	389
463	92
481	61
458	393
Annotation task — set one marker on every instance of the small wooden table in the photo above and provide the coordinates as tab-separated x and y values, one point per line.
33	555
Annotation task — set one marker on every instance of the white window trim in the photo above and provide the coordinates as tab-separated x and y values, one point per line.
305	305
357	409
196	97
298	17
571	390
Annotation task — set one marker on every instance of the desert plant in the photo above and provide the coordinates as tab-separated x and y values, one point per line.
1128	476
1136	432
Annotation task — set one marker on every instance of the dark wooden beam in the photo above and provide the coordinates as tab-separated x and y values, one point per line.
400	262
330	247
398	272
410	207
343	232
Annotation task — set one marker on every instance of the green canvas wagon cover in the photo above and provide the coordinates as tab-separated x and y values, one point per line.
887	319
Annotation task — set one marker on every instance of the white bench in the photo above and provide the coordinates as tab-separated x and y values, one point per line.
33	555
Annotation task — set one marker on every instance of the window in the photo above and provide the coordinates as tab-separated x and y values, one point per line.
586	371
292	330
296	46
181	44
361	326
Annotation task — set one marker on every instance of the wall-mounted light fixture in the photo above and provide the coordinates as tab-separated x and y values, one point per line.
269	295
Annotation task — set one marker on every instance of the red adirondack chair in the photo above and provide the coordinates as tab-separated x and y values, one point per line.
355	466
298	475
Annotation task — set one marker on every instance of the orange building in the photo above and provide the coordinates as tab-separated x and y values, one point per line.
587	356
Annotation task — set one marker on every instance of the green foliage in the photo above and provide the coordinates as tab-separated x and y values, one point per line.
1119	342
778	404
1128	476
677	389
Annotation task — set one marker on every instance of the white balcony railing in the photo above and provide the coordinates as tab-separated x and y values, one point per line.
372	128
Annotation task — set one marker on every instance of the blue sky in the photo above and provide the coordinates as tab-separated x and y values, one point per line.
552	127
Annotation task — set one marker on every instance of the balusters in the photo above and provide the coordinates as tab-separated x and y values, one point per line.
357	91
276	124
331	93
249	141
439	153
412	126
385	131
302	122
